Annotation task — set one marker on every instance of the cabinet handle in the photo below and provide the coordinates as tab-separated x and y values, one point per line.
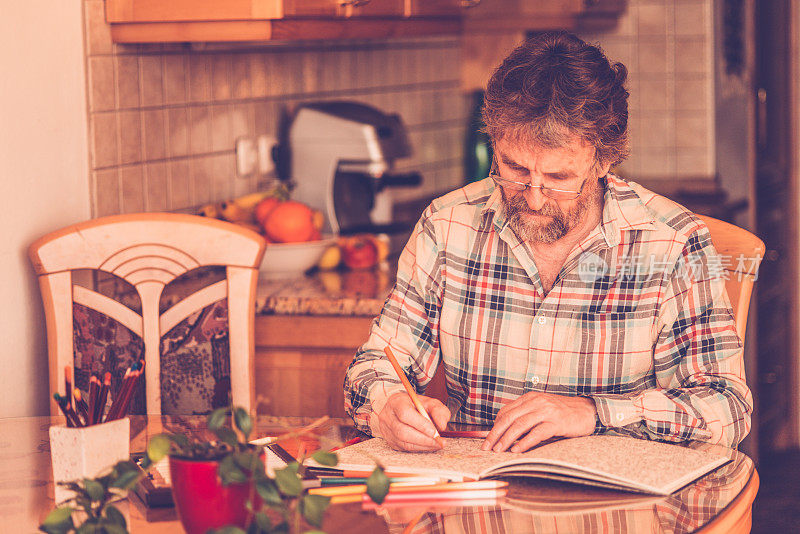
469	3
354	3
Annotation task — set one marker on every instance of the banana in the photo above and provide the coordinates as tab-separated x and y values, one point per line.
330	258
318	220
209	210
250	200
232	212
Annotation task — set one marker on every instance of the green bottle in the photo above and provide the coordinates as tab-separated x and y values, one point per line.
478	151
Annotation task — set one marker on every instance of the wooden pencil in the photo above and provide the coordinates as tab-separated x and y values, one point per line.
117	402
94	391
126	401
68	383
411	393
102	398
464	433
80	407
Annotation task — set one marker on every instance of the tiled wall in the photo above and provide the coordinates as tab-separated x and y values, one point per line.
163	119
667	46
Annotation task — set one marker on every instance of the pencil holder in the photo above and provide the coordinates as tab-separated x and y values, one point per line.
86	452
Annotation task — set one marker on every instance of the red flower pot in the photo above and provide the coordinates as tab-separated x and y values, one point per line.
203	502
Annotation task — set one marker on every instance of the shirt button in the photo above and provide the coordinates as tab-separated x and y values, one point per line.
620	417
534	380
541	320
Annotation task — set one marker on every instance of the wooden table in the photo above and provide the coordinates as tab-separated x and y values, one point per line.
720	502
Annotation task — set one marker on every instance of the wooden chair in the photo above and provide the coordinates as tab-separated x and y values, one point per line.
741	254
149	250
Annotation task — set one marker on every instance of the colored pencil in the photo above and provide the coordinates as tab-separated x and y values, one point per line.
349	481
116	403
102	398
126	401
94	391
410	487
62	404
68	383
80	407
464	433
440	496
411	393
357	439
367	503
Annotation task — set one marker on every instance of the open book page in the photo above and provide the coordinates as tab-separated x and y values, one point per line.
625	462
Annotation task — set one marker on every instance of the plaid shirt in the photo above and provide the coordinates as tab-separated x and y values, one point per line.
638	320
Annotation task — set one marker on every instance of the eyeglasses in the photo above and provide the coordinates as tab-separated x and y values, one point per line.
549	192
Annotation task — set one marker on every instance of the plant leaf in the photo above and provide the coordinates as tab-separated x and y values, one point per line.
115	516
313	508
268	491
288	481
94	489
229	529
243	422
59	520
126	481
378	485
113	529
217	418
226	435
246	460
264	523
326	458
158	447
229	473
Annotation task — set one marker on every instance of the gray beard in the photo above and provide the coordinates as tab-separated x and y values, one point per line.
560	223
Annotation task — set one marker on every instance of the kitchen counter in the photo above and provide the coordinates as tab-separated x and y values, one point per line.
343	293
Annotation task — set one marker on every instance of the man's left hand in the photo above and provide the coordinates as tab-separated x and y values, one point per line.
542	416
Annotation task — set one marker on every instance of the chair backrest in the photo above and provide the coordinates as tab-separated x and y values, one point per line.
741	253
149	250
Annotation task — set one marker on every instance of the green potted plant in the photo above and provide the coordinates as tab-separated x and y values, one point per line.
93	503
223	484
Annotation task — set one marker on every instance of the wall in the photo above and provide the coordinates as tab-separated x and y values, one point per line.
667	47
164	118
43	156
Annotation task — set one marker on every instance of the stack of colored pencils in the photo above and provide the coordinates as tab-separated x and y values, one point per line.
80	413
417	490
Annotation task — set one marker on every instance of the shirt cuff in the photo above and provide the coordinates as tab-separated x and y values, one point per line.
614	411
377	399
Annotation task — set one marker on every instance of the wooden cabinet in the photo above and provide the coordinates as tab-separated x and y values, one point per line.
159	21
495	27
301	361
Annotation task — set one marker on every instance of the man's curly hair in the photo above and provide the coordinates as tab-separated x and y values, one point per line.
554	88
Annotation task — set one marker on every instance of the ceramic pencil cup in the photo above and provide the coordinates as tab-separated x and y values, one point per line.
86	452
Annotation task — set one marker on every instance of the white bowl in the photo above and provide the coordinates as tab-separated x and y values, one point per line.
283	260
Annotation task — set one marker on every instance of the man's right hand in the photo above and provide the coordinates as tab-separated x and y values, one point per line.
404	429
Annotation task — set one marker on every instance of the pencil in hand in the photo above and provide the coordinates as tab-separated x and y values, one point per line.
413	394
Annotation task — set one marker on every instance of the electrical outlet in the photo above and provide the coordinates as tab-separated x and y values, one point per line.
246	156
265	145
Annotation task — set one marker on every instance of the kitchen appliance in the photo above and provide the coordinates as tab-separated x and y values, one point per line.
342	156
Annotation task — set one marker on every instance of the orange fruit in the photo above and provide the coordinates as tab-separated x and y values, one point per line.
289	222
263	208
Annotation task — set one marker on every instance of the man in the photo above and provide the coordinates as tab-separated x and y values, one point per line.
560	299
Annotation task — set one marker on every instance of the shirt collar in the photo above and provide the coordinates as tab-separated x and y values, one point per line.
623	210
